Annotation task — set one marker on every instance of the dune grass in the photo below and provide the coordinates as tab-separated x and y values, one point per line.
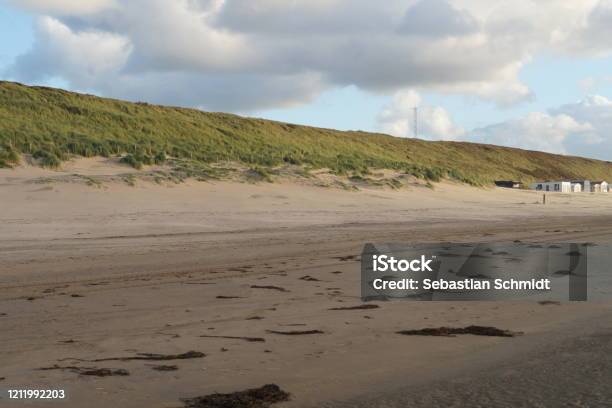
53	125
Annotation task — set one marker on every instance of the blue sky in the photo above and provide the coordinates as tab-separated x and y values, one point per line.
16	31
536	95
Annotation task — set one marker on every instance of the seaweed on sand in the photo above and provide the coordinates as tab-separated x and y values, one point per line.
453	331
154	357
262	397
249	339
295	332
92	371
359	307
269	287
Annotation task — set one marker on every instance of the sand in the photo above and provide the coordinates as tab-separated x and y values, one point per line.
101	271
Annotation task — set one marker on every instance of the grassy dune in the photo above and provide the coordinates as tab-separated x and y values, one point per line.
53	125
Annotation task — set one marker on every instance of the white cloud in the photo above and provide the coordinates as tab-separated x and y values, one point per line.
596	110
583	128
590	34
218	92
84	57
433	122
434	18
504	87
536	131
285	52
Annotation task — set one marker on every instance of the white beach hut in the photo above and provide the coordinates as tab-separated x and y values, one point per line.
599	186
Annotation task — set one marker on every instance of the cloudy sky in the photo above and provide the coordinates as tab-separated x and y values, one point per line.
531	74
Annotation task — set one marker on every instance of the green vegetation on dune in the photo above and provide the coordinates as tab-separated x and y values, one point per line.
53	124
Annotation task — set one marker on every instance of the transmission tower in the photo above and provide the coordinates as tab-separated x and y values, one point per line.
416	121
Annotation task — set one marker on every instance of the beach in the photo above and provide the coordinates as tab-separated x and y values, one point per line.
264	280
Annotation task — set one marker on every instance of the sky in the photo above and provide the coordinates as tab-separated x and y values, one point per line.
527	74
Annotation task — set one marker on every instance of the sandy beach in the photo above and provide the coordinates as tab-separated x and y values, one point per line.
106	271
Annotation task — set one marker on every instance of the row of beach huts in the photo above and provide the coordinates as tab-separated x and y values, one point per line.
561	186
572	186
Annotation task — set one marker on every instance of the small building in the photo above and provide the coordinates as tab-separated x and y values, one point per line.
576	187
508	184
553	186
599	187
584	184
